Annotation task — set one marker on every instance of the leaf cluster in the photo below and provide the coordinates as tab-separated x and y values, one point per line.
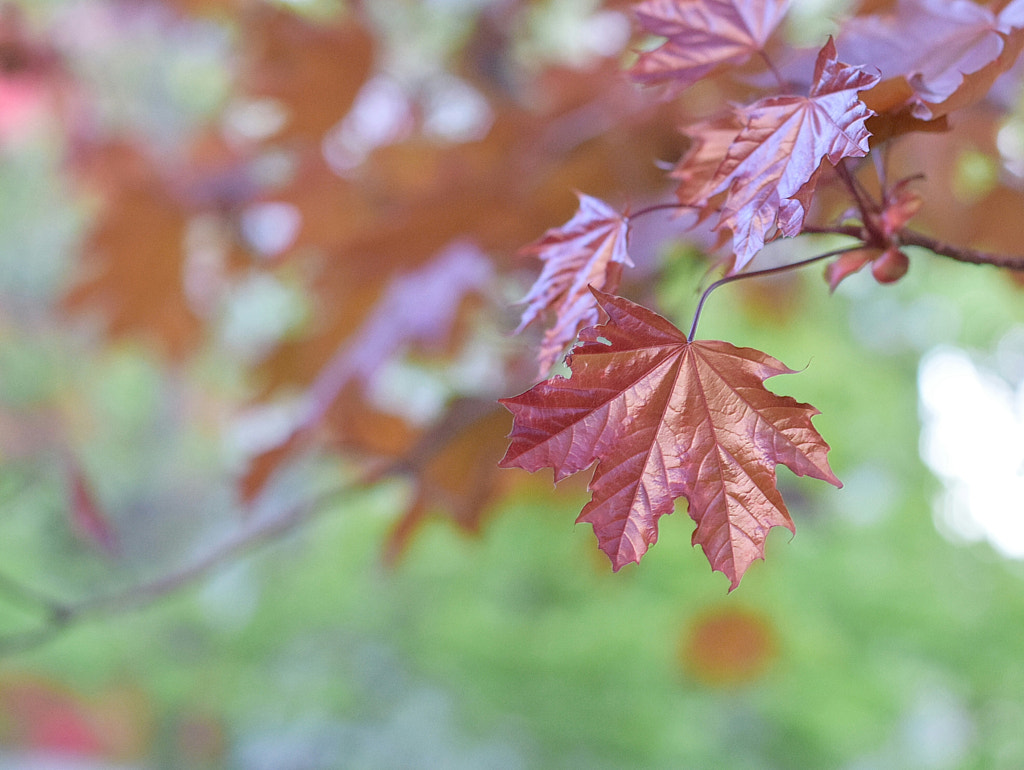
664	415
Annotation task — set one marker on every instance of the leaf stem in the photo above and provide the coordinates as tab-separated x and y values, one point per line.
759	274
655	208
860	195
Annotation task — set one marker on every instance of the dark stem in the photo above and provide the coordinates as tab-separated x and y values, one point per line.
860	195
881	163
940	248
759	274
657	207
971	256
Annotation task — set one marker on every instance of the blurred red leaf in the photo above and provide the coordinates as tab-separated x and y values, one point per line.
454	466
134	266
417	308
45	717
589	250
728	646
949	52
314	70
702	35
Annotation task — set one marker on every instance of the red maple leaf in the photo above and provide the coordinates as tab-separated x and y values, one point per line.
768	173
702	35
588	250
937	46
665	418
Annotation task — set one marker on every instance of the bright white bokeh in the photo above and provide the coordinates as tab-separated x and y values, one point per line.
973	440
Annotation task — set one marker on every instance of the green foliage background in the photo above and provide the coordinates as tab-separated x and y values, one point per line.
895	647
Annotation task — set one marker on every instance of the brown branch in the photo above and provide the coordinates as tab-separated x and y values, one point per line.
940	248
60	617
971	256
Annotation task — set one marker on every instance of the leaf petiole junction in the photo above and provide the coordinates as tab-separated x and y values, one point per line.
761	273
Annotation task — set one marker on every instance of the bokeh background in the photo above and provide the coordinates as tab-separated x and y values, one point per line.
258	263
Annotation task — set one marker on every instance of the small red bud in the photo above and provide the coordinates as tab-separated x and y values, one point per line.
848	264
891	266
900	211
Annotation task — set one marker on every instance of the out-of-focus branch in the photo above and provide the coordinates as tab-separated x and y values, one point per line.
59	617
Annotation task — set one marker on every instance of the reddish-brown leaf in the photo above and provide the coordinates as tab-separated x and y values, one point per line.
949	52
665	418
710	142
314	70
134	255
588	250
454	470
701	36
768	174
727	646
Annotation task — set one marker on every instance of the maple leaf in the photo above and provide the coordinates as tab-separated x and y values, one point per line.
665	418
702	35
948	51
588	250
710	142
768	173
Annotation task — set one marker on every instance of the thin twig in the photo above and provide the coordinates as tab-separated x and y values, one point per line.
29	598
657	207
941	248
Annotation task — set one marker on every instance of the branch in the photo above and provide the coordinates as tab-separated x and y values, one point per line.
255	533
29	598
940	248
60	617
971	256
